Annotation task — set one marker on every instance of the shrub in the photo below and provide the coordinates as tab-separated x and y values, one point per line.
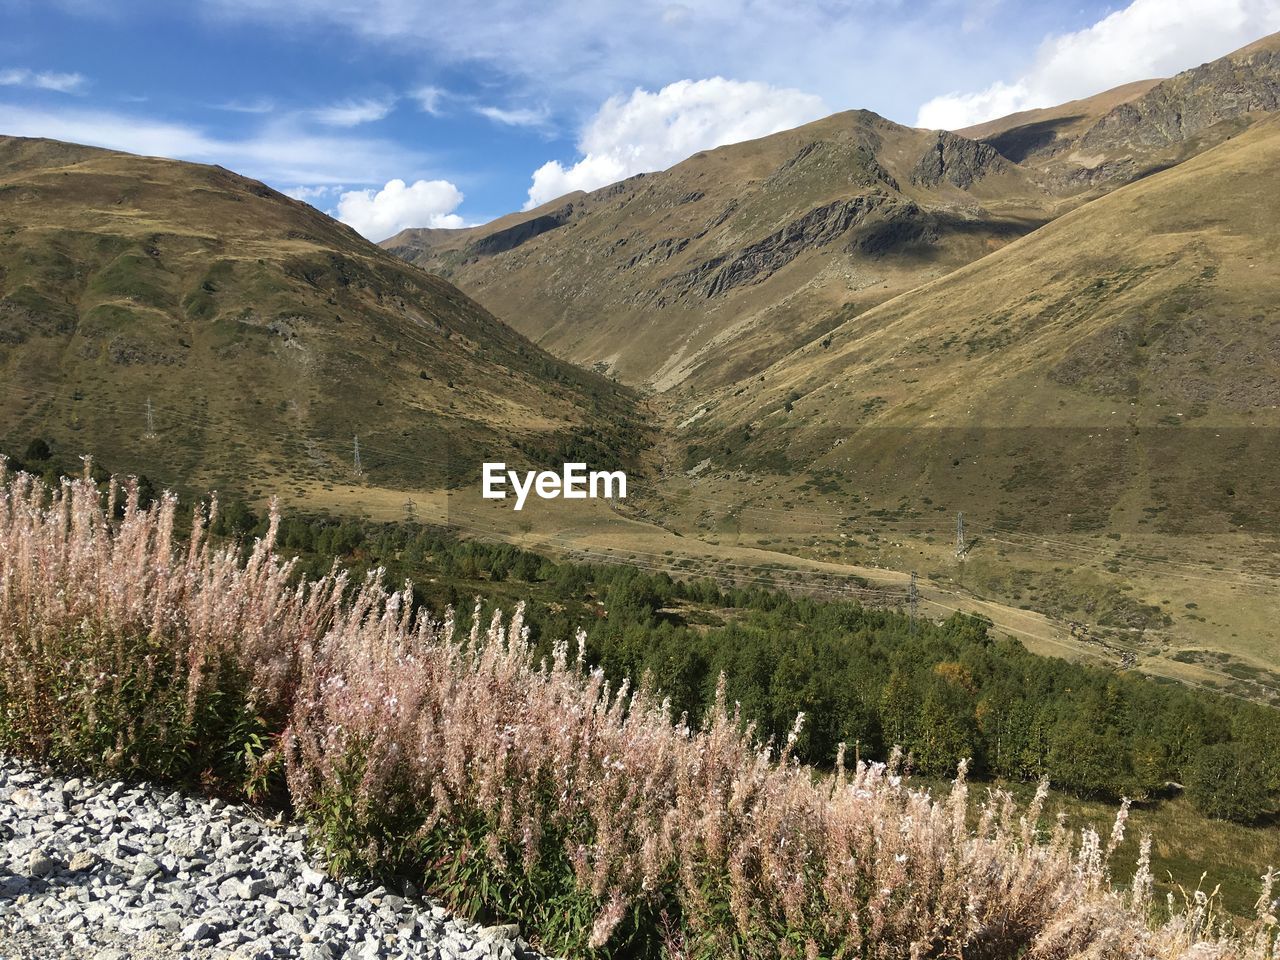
513	786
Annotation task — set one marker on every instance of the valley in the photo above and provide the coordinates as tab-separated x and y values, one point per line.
793	532
1060	325
923	327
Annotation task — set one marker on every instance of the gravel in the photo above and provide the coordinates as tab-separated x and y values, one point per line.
110	871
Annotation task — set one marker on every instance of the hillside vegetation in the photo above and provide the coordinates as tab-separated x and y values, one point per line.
264	335
510	785
702	272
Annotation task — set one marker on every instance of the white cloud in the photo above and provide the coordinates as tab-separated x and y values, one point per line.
309	194
571	54
41	80
430	99
651	131
427	203
278	152
1148	38
352	113
261	105
517	117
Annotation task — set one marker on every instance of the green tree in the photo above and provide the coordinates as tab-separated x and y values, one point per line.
38	450
898	711
1227	781
945	734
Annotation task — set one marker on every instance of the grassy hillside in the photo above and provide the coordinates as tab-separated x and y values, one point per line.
1149	314
702	275
705	272
264	335
1097	395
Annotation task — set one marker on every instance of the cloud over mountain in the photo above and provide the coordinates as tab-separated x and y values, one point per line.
425	203
1148	38
650	131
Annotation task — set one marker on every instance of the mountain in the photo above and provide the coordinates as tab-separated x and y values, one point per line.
705	272
1141	127
1099	400
1061	325
1116	368
1032	133
702	275
198	326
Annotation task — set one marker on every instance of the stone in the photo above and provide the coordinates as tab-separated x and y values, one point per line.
150	875
40	865
252	889
312	879
24	798
500	931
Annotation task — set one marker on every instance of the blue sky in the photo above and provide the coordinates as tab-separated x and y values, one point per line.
391	113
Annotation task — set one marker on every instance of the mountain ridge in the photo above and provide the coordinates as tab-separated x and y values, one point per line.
653	251
603	278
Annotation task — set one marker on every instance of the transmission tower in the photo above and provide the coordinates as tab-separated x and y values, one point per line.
151	422
410	508
913	600
961	546
359	468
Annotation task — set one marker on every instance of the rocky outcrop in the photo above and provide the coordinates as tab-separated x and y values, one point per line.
658	252
855	163
816	228
1190	103
511	237
957	160
873	225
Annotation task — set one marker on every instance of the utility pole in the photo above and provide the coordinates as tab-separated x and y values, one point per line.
359	468
913	600
961	547
151	422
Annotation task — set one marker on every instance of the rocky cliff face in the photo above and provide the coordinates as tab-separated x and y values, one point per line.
1192	102
817	228
956	159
